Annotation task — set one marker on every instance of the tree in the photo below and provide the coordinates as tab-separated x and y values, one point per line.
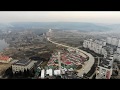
25	73
28	72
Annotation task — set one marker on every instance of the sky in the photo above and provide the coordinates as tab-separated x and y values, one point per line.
112	17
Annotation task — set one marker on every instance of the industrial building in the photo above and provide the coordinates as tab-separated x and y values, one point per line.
22	65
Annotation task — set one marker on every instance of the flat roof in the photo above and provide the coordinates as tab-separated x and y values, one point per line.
105	64
22	62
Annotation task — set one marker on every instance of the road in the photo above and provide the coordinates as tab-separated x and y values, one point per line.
87	66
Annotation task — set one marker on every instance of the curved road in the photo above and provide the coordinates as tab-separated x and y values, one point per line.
87	66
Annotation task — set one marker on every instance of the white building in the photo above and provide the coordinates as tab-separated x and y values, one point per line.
95	46
114	41
117	56
57	72
109	40
101	42
104	70
103	73
118	43
42	74
49	72
118	50
104	52
86	43
22	65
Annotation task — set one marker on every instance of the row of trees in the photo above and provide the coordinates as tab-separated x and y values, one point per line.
25	74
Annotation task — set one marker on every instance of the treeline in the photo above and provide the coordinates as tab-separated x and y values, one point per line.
26	74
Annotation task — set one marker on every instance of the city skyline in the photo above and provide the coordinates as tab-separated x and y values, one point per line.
108	17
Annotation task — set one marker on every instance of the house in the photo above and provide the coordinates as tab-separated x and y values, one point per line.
5	59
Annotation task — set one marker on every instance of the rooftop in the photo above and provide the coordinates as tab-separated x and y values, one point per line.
22	62
5	58
105	63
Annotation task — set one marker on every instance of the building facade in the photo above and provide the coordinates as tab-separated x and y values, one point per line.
96	46
118	42
114	41
22	65
103	73
104	70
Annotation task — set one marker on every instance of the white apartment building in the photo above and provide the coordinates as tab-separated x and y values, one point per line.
118	43
101	42
118	50
104	52
95	46
104	70
103	73
21	65
109	40
117	56
85	43
114	41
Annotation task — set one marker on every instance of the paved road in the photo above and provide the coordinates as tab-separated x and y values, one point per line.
86	68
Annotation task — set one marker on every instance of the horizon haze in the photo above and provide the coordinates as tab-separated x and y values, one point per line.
105	17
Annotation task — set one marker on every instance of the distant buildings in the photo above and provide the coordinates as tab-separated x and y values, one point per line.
22	65
5	59
48	34
113	41
97	46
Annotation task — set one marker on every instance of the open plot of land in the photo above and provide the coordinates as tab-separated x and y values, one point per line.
3	67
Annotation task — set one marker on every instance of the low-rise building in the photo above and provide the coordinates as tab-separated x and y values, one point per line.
57	72
42	74
49	72
5	59
22	65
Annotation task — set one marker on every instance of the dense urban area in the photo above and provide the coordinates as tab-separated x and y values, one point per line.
46	53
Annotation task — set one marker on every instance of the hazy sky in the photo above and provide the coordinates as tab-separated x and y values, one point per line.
60	16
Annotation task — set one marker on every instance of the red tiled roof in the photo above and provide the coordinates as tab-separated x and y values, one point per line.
4	57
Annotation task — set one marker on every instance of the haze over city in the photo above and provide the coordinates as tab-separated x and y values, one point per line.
109	17
59	45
